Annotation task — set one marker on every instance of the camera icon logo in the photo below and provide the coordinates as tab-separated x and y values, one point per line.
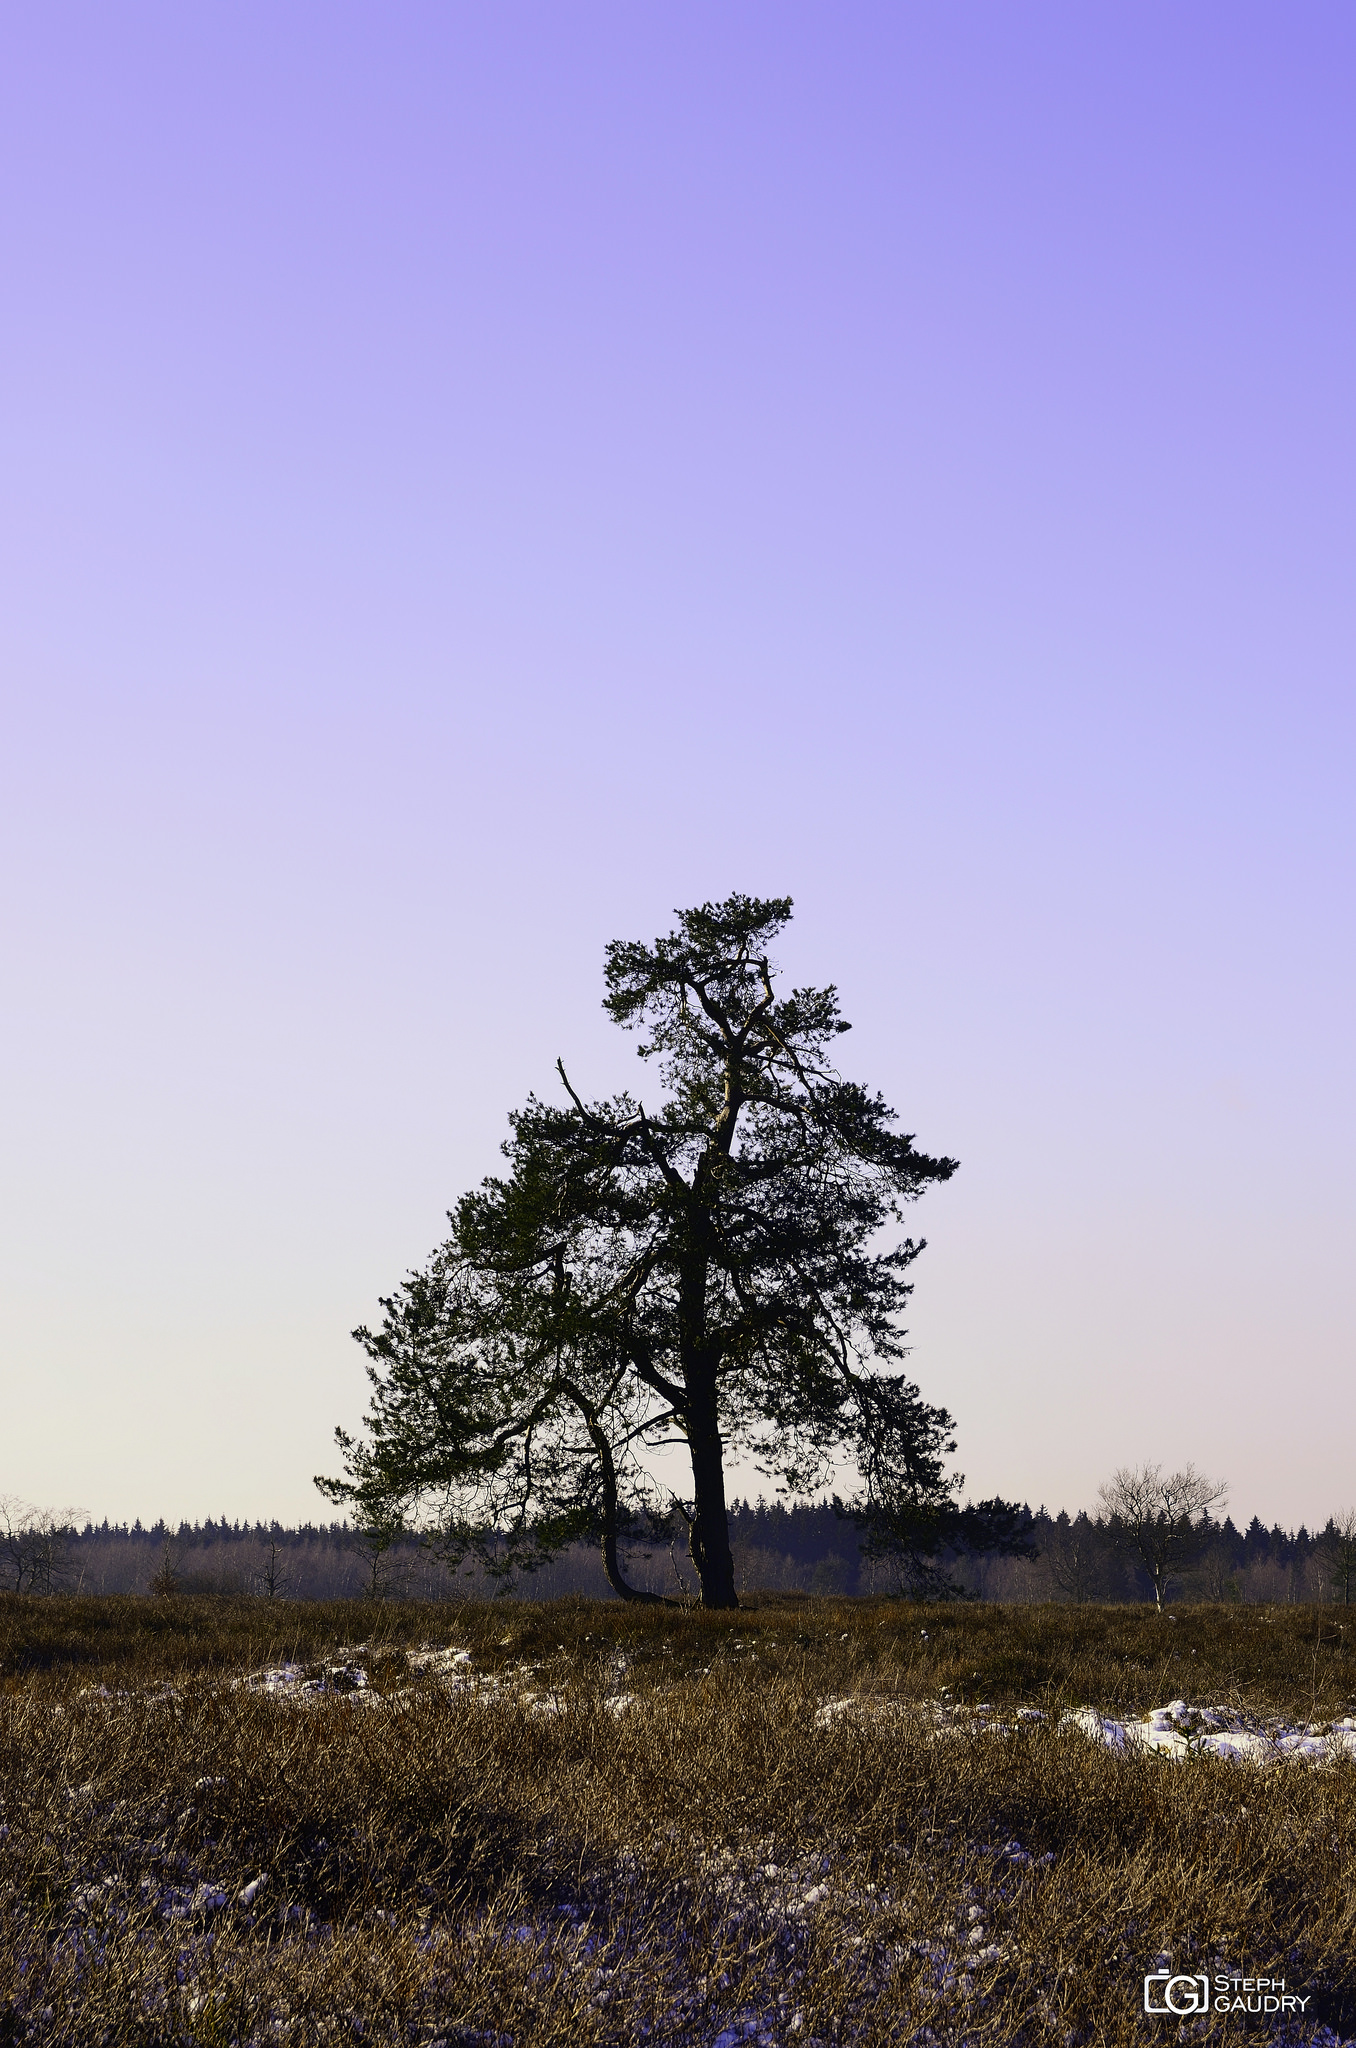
1172	1998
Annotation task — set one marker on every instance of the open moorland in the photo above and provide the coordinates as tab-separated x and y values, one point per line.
810	1821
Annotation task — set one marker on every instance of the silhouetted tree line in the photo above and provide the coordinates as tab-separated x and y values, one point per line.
817	1549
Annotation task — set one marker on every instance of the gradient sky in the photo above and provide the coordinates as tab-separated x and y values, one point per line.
474	479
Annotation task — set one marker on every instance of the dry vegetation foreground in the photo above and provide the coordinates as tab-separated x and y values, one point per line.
603	1825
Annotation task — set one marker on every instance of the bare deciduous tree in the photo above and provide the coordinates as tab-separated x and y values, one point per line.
33	1547
1160	1516
272	1577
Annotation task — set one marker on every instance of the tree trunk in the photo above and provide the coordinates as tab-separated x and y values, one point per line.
619	1585
710	1538
611	1563
607	1466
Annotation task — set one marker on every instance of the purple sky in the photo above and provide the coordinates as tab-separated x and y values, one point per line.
472	479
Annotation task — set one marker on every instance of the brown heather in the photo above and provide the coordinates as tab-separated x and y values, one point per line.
706	1864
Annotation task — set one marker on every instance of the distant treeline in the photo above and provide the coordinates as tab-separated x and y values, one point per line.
1090	1558
813	1550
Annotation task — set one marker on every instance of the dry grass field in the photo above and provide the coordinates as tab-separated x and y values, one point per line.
610	1825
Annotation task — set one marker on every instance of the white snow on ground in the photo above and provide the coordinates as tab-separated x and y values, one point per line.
348	1679
434	1663
293	1681
1178	1730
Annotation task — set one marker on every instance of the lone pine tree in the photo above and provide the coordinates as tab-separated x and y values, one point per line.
706	1266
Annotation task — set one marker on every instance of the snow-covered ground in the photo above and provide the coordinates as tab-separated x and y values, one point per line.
1179	1730
1176	1730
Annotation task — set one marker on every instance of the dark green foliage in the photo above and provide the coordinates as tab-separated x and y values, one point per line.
708	1266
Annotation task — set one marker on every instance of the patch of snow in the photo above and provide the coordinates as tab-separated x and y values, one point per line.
1179	1731
289	1681
438	1662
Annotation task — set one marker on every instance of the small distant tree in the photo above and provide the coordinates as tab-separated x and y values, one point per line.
374	1537
273	1577
164	1582
1161	1517
34	1547
1337	1551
